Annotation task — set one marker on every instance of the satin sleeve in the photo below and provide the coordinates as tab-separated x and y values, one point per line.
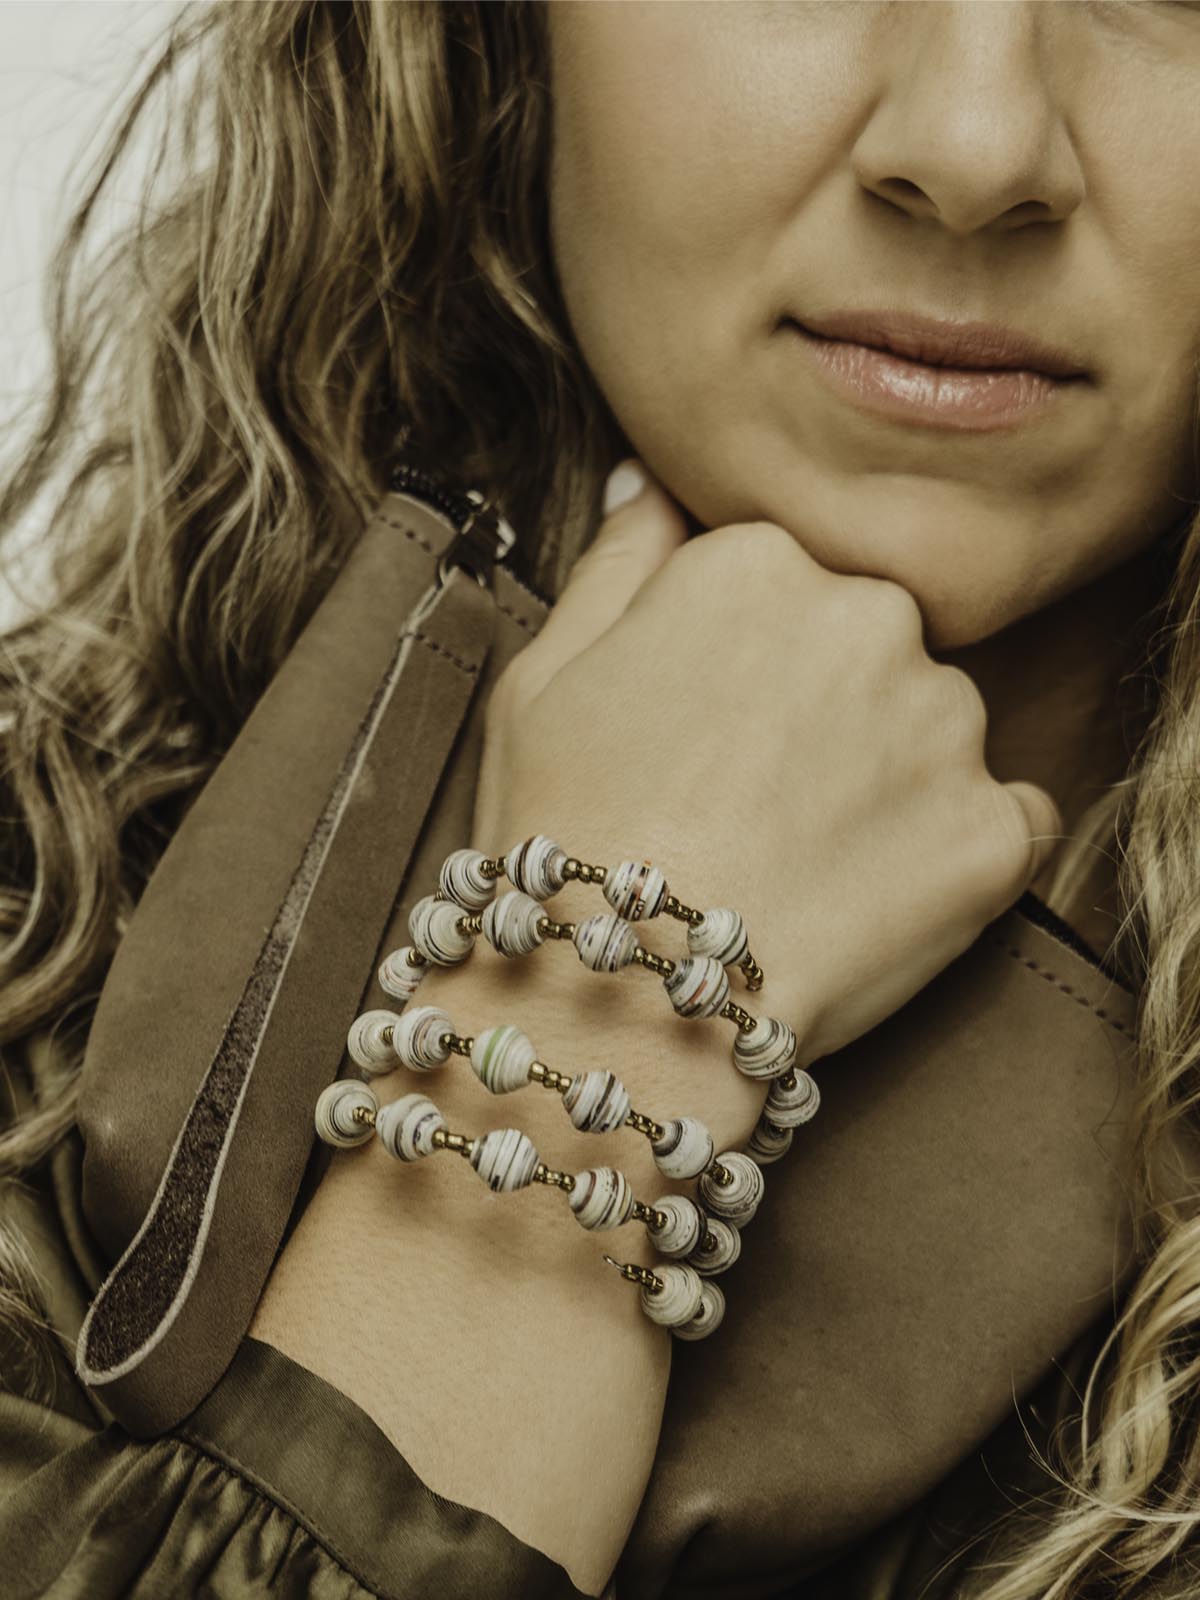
277	1484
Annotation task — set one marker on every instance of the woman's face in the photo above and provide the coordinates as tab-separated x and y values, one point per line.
721	166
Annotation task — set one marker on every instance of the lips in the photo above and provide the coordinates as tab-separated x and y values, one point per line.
965	346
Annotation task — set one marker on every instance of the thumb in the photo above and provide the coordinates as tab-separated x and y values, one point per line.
642	527
1043	822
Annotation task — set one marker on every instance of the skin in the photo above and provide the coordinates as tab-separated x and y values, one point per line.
965	160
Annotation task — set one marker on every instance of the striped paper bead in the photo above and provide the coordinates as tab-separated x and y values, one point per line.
461	880
767	1051
788	1108
406	1126
685	1148
505	1159
368	1048
434	931
698	986
535	866
768	1143
602	1198
636	890
398	977
683	1229
721	935
510	923
333	1115
709	1316
679	1298
734	1202
417	1038
597	1101
726	1248
605	943
502	1057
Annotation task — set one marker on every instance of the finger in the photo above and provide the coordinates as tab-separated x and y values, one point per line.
1043	823
638	534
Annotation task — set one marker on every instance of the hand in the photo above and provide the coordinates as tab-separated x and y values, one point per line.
776	739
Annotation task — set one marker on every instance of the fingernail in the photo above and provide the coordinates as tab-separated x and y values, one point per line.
625	482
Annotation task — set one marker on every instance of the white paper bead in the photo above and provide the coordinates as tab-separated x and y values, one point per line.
767	1051
698	987
406	1126
635	890
683	1228
709	1317
368	1049
685	1149
768	1143
535	866
505	1159
605	943
679	1298
398	977
721	935
417	1038
726	1248
735	1202
333	1113
602	1198
788	1108
433	929
502	1058
597	1101
510	923
461	880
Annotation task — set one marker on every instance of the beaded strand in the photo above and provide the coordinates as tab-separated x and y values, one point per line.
678	1296
443	927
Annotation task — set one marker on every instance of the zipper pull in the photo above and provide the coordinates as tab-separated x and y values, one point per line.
484	538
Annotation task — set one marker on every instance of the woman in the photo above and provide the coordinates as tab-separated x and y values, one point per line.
923	631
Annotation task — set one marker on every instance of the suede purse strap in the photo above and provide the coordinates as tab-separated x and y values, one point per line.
312	814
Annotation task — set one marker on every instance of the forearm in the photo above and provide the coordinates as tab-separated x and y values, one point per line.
513	1368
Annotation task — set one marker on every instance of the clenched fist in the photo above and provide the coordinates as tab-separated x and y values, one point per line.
776	739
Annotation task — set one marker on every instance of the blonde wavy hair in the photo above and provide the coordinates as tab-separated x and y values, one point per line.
344	237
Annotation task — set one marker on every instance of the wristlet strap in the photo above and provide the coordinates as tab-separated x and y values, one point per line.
313	813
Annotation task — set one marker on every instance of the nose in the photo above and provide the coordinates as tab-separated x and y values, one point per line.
970	129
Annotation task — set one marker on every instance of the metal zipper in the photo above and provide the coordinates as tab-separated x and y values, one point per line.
482	536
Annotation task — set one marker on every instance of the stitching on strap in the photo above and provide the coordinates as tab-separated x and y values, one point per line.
471	668
1064	988
409	533
521	622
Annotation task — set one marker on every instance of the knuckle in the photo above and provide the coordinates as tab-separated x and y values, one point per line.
1007	846
966	709
891	606
745	548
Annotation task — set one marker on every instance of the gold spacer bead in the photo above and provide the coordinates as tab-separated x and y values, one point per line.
492	867
787	1080
662	965
365	1114
635	1274
388	1033
753	972
555	1180
439	894
722	1174
738	1014
453	1041
414	958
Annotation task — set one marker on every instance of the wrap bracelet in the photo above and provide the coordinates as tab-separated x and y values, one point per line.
443	927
